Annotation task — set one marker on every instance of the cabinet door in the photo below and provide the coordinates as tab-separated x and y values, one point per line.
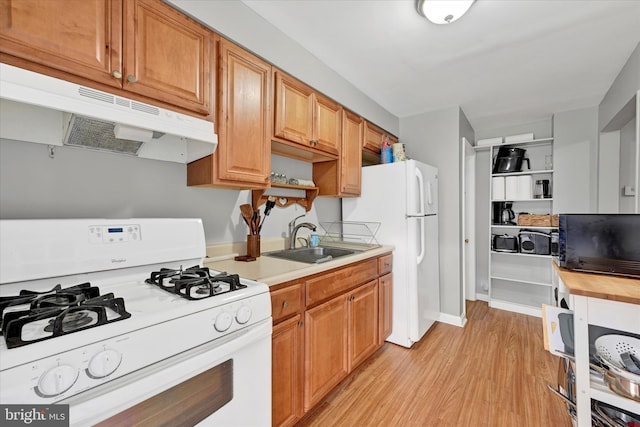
244	125
385	304
363	323
287	363
168	56
325	348
328	118
351	154
294	110
81	37
373	138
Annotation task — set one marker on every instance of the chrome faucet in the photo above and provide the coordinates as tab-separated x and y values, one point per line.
293	230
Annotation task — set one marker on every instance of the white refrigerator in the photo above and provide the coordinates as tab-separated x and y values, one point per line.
403	197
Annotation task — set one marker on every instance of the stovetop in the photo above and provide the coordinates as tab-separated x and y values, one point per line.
145	305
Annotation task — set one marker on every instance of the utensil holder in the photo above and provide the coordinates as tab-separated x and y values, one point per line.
253	245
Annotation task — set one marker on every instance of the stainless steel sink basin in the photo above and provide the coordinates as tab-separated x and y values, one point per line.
311	255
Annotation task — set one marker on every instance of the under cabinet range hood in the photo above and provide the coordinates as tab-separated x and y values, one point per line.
43	109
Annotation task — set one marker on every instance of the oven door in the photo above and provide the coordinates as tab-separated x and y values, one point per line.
224	382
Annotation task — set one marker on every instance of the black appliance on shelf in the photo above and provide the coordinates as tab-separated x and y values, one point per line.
604	243
534	242
503	213
504	243
509	160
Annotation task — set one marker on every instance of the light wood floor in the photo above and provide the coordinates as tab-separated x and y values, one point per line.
491	373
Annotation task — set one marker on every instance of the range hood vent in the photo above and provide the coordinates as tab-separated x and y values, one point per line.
98	120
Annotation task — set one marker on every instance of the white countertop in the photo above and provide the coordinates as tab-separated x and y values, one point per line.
272	271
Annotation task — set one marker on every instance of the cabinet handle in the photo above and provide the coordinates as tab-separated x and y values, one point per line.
300	323
117	74
131	78
285	304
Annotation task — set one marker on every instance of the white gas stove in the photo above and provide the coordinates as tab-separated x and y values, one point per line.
105	314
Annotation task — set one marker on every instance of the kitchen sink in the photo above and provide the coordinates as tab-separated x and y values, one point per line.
311	255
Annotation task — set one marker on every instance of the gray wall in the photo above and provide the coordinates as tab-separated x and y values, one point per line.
79	183
627	166
241	24
575	161
608	176
433	138
623	89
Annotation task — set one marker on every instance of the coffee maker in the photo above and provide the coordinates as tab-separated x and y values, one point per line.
503	213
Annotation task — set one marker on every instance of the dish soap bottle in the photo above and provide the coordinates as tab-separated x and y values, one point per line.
386	153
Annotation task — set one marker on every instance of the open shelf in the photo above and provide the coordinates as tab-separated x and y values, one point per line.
528	227
258	197
528	172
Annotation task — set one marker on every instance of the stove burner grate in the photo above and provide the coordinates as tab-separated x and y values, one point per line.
35	316
195	282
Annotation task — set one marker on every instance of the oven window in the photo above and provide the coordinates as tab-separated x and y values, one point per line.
187	403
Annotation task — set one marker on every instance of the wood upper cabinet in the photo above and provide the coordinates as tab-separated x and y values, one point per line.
80	37
144	47
305	117
342	177
167	55
350	157
242	158
327	119
373	138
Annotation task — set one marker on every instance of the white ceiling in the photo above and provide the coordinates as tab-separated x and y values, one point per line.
505	62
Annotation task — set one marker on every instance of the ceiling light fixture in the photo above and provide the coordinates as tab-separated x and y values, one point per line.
443	11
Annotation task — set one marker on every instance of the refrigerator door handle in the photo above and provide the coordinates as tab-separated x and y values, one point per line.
421	215
420	191
421	237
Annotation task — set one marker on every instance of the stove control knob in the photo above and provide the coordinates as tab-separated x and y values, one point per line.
57	380
243	315
104	363
223	321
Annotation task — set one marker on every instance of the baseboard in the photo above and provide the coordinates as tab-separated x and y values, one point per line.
482	297
450	319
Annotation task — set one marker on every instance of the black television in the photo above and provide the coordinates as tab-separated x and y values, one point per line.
601	243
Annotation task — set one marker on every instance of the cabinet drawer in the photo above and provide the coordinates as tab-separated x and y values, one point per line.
329	285
385	264
286	302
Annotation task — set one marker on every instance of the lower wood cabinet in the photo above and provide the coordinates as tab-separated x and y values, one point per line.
363	323
287	374
326	332
385	304
326	325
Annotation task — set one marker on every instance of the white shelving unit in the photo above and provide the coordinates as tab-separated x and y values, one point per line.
522	282
609	314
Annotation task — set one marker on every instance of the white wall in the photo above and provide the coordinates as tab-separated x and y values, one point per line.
483	239
433	138
242	25
575	161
